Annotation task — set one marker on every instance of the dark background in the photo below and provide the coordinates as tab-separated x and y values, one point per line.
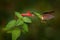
8	7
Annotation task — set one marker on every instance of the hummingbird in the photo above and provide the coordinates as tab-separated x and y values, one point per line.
47	15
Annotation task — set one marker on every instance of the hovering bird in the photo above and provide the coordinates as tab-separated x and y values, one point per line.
47	15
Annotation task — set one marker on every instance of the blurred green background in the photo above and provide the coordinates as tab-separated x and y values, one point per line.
49	31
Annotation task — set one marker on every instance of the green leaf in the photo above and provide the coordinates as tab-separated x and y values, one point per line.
10	25
10	31
18	15
15	34
25	27
19	22
38	14
27	20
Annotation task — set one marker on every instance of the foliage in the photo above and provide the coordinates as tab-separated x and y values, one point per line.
10	25
13	26
15	34
27	20
25	28
37	14
19	22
